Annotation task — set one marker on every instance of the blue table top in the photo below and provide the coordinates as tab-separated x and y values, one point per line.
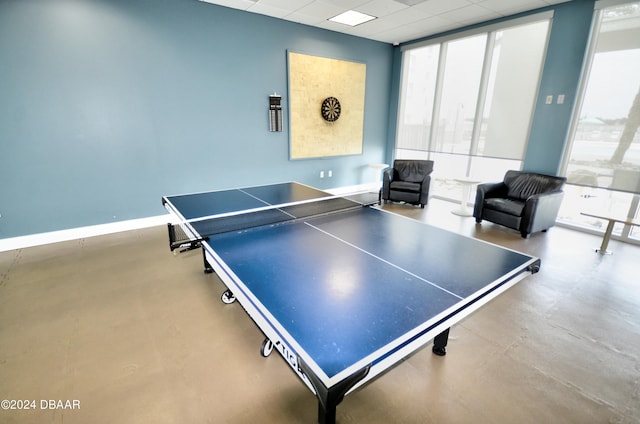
346	285
198	205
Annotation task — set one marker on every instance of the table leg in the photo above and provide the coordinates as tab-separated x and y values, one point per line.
464	210
606	238
440	343
329	398
208	269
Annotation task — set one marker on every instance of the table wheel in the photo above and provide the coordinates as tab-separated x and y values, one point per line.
228	297
267	348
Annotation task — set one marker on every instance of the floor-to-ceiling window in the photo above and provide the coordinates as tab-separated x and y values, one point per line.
467	101
602	160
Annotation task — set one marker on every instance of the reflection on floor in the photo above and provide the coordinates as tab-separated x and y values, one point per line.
138	335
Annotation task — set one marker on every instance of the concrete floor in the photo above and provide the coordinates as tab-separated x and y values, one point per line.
137	335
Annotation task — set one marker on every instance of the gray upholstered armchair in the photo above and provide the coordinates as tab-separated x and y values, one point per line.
525	201
407	181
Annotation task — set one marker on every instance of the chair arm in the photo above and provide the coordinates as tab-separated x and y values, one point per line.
424	189
485	191
540	211
387	177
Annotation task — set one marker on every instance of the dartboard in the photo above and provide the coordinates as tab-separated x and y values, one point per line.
330	109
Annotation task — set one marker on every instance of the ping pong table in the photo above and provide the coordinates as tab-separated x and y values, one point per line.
343	291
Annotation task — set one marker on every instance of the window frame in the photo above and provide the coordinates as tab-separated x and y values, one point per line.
471	155
625	233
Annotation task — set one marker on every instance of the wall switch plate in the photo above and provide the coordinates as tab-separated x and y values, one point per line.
549	100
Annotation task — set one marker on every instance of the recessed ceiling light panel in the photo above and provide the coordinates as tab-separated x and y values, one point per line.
352	18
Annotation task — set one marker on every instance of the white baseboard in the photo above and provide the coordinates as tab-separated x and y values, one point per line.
80	232
116	227
361	188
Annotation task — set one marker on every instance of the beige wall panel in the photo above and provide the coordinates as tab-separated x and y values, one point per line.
311	80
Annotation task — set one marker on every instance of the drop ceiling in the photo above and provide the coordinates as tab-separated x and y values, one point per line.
397	21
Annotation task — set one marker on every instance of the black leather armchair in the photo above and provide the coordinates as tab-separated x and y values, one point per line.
524	201
407	181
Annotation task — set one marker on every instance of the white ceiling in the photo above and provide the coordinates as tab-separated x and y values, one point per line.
397	20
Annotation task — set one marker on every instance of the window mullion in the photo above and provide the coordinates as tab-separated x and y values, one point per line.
437	98
482	93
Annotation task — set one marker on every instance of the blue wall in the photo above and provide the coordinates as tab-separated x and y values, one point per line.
561	75
106	105
567	46
100	100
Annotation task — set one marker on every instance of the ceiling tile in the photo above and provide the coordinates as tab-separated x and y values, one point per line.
432	25
406	16
410	2
397	20
290	5
265	9
347	4
470	14
437	7
319	11
381	8
512	6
